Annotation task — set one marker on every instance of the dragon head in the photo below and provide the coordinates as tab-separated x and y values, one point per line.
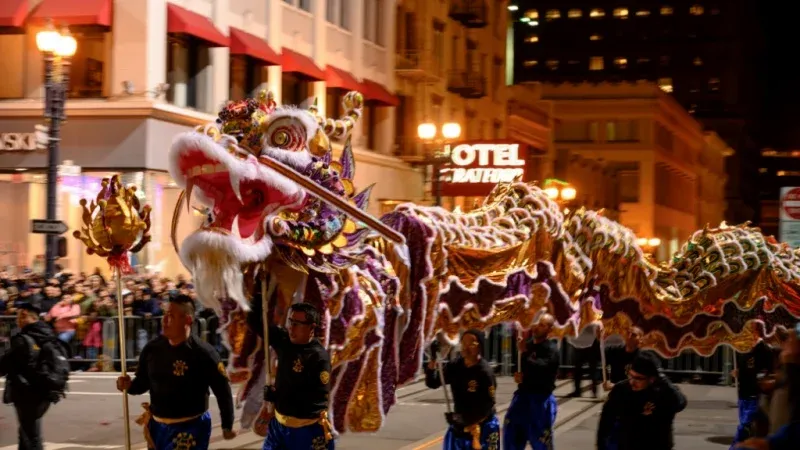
252	211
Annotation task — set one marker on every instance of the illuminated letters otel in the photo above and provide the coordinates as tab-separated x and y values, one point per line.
497	163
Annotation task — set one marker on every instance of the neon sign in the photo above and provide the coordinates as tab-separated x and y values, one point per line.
474	168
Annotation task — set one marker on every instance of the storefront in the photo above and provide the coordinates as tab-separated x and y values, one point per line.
474	168
91	148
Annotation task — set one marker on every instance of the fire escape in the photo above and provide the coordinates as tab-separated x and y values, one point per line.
469	83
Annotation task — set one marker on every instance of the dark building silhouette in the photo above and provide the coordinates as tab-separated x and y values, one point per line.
702	52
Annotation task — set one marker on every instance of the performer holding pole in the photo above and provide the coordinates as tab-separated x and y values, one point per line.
302	384
178	369
473	423
532	413
114	225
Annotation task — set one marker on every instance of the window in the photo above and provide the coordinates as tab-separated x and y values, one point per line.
696	10
532	14
246	77
697	61
530	63
595	37
575	13
497	77
596	63
629	185
454	54
438	46
642	13
665	84
552	64
294	91
305	5
713	84
89	65
597	13
188	76
621	13
532	38
373	17
553	14
621	63
498	130
666	10
369	122
336	13
642	60
15	56
622	131
330	10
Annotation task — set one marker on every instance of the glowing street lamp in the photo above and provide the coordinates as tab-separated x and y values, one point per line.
559	191
427	132
57	48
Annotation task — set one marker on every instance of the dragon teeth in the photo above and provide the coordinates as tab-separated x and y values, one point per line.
235	227
236	184
189	188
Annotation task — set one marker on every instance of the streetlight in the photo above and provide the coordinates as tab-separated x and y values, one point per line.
427	132
57	49
559	191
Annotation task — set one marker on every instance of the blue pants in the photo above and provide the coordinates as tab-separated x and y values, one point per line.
748	407
460	440
281	437
612	442
191	435
530	419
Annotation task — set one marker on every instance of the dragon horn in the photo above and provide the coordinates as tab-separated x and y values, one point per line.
353	103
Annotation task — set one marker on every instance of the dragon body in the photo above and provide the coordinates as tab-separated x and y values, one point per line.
267	241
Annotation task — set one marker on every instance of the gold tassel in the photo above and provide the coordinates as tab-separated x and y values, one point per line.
326	425
475	431
143	421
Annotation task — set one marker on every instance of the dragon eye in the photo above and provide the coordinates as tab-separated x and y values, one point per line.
280	138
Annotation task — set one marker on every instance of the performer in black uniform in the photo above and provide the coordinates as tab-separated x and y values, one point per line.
758	362
619	359
533	409
644	407
178	370
302	384
473	424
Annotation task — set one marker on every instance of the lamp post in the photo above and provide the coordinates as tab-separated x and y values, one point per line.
57	49
649	245
427	133
559	191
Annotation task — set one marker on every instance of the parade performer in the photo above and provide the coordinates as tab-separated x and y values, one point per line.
643	408
178	370
473	423
750	366
302	385
620	358
532	413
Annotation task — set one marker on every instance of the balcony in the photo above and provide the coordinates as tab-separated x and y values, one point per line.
471	13
474	85
457	82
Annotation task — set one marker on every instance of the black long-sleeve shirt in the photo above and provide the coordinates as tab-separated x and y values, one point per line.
179	377
473	388
540	363
619	360
303	380
645	417
750	365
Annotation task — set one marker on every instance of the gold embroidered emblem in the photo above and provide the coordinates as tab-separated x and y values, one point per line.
472	386
36	348
318	443
546	438
493	441
491	391
649	407
179	368
324	377
298	365
222	371
184	441
751	363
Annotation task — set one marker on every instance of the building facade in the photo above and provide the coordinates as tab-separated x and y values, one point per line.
207	51
704	53
450	68
667	168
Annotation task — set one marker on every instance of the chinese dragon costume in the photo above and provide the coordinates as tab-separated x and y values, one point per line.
384	301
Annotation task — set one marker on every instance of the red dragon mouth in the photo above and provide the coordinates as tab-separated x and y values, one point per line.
237	188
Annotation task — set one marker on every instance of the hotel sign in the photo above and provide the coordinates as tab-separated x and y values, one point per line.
474	169
24	142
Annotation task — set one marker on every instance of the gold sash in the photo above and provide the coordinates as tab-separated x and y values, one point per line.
146	416
294	422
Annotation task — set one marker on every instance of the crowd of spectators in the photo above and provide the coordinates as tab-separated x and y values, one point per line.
77	304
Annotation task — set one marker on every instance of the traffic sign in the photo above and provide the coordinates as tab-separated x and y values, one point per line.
39	226
790	203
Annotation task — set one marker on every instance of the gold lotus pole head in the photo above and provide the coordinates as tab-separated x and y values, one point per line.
114	224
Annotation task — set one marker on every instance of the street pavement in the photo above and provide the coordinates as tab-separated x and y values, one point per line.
91	418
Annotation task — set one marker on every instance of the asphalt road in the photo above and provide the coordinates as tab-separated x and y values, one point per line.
91	417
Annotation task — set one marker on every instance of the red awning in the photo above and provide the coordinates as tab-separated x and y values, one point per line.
73	13
376	93
243	43
13	12
340	79
294	62
183	21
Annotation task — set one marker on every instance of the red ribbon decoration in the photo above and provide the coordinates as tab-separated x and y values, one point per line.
120	262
